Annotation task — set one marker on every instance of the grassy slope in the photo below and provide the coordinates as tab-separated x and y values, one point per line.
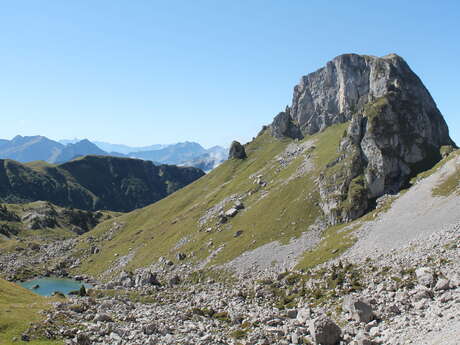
288	209
39	166
9	244
450	183
18	308
36	235
335	241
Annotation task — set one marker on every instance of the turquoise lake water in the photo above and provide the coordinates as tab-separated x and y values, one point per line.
48	285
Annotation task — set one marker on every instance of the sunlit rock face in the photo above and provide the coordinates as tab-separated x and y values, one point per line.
395	131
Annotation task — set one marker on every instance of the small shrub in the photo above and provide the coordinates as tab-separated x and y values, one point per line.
238	334
222	316
82	291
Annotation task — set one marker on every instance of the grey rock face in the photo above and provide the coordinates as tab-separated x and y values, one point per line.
83	339
283	126
145	278
425	276
141	278
442	284
324	331
102	318
125	280
237	151
346	84
149	329
395	131
231	212
303	315
360	310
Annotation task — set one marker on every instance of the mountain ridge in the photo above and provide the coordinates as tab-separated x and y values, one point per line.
93	182
396	129
322	179
34	148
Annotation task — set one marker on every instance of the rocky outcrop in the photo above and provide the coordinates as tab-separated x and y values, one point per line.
237	151
324	331
390	141
395	128
334	93
359	309
283	126
140	278
425	276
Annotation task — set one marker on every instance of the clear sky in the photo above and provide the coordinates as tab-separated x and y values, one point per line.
144	72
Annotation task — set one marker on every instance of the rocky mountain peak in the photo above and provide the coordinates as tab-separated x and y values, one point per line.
345	85
395	130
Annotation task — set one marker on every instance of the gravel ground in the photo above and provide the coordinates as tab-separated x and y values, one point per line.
414	215
275	256
450	336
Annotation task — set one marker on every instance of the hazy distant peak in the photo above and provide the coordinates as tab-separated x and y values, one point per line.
69	141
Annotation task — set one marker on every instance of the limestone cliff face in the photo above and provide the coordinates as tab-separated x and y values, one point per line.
395	128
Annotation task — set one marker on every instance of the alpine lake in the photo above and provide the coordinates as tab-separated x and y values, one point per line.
47	286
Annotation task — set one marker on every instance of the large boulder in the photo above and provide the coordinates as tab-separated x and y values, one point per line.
359	309
102	317
149	329
303	315
231	212
324	331
145	278
237	151
83	339
425	276
422	293
442	284
125	280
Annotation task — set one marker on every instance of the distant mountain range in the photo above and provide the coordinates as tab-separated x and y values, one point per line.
213	157
119	148
34	148
40	148
186	154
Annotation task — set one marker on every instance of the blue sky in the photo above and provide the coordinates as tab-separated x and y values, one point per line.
144	72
